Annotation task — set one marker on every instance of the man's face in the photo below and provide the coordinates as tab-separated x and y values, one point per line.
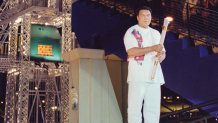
144	18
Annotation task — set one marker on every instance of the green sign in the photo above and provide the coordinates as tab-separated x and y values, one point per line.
45	43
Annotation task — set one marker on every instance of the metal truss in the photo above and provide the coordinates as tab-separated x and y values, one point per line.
42	93
13	38
52	3
65	93
11	98
3	33
13	3
50	101
22	74
61	92
25	38
25	70
66	26
52	92
26	74
4	28
4	6
66	46
11	31
66	36
12	11
6	63
13	34
39	101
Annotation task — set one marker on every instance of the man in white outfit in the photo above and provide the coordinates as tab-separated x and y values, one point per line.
142	45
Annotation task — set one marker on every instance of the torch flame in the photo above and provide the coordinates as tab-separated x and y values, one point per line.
169	19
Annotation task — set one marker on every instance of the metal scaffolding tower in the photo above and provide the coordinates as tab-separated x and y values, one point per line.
34	92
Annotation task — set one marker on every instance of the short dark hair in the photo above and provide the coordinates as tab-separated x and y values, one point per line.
142	8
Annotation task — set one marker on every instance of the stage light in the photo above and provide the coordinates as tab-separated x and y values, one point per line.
54	107
18	20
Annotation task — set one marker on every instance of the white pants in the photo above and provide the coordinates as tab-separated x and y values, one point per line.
151	94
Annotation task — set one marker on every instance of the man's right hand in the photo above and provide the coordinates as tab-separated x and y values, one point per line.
157	48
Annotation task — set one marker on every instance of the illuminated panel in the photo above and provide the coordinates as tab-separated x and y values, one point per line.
45	50
45	43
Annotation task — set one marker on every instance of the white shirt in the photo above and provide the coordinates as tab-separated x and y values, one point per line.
142	73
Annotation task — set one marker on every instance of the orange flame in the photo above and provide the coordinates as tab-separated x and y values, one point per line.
169	19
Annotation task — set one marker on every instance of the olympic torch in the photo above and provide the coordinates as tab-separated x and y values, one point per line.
167	20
